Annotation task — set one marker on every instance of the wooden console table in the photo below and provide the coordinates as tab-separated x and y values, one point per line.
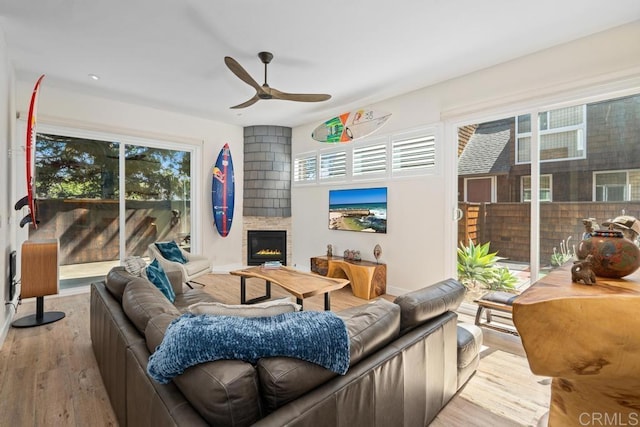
368	279
587	338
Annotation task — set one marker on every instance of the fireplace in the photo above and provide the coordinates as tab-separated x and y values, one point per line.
266	245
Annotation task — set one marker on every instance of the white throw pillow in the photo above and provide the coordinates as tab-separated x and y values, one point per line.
263	309
135	265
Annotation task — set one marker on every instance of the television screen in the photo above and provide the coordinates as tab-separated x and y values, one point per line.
359	209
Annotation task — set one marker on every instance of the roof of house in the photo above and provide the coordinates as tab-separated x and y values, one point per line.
487	152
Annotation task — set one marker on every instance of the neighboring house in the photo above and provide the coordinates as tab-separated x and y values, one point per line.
588	153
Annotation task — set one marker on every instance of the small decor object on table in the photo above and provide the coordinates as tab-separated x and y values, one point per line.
329	250
613	255
357	256
377	251
272	265
583	272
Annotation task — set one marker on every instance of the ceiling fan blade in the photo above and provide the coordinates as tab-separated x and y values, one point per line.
242	74
302	97
248	103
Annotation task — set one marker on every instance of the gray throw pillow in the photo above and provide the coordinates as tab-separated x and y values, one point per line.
263	309
135	265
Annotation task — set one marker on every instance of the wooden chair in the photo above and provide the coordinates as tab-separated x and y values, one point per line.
195	266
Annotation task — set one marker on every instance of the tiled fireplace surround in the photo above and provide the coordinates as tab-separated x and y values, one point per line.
267	182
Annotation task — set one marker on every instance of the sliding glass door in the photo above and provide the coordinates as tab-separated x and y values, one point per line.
531	184
106	198
157	197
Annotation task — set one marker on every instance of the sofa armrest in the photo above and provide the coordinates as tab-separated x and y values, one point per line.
419	306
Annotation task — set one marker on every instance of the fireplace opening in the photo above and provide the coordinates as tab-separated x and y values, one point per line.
266	245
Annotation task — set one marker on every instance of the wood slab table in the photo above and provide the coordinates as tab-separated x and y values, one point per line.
298	283
587	338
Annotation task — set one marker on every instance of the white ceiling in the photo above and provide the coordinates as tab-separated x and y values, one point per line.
169	54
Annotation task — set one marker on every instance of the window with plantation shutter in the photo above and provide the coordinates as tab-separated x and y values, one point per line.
370	159
413	153
305	168
333	164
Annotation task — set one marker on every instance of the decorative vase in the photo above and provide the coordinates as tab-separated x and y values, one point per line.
613	255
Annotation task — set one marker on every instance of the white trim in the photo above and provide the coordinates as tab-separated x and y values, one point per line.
522	177
98	128
581	132
611	85
627	184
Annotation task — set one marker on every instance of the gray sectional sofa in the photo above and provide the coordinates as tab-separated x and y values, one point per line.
407	360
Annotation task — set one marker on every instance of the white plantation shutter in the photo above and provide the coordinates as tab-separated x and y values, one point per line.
305	168
333	165
413	153
370	159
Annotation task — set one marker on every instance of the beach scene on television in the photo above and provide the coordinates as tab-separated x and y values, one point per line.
360	209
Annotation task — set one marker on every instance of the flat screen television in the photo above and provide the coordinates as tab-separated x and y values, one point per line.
358	209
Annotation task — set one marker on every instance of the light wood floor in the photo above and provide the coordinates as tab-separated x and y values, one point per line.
49	376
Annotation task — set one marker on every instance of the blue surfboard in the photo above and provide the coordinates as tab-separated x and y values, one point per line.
222	191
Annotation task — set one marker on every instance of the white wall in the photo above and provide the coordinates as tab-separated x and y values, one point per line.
419	248
7	227
64	108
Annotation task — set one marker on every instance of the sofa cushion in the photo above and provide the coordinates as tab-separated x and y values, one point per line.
224	392
171	252
469	342
267	308
419	306
156	327
370	327
141	301
283	379
190	297
117	280
157	276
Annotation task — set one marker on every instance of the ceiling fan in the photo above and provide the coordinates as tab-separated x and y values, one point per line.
265	91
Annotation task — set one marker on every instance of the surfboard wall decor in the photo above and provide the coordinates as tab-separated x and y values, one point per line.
350	126
30	198
223	191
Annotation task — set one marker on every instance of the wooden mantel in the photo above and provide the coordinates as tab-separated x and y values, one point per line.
587	338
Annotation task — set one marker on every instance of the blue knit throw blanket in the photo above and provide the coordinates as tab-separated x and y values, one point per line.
319	337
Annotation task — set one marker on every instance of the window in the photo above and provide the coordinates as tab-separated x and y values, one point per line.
370	159
413	153
408	153
562	134
545	188
108	196
618	186
305	168
333	164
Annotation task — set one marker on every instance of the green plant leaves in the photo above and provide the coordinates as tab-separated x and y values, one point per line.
477	267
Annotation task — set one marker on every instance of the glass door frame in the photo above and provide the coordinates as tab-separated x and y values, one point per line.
147	141
452	122
195	171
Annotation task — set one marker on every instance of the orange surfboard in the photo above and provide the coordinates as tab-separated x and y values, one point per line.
350	126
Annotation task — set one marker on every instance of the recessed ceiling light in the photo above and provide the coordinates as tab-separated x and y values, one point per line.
94	77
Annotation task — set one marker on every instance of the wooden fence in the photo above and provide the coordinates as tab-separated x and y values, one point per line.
506	225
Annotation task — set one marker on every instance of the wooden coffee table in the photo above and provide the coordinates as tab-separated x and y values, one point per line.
298	283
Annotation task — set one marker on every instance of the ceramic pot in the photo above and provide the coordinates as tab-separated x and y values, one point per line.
612	256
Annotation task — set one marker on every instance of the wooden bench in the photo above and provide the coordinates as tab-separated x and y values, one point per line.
495	301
